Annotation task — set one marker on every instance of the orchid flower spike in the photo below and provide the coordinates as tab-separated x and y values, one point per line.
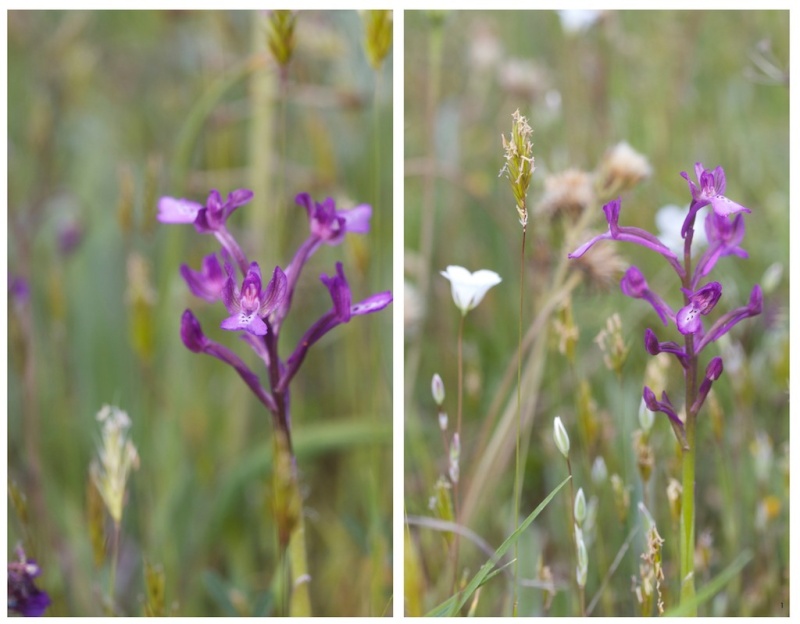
468	288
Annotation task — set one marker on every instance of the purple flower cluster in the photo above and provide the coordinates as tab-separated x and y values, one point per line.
257	309
23	595
725	235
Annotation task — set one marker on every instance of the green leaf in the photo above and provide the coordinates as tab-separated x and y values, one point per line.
724	577
453	605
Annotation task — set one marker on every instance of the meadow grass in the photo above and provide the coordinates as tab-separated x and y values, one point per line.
679	87
108	111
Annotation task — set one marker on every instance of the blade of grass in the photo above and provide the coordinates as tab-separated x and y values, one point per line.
459	600
707	591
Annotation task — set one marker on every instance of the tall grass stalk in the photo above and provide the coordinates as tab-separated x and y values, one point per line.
517	477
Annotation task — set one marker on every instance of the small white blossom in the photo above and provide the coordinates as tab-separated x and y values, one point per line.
469	288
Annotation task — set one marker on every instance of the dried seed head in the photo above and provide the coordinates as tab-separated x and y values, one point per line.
621	169
566	330
602	266
566	193
610	341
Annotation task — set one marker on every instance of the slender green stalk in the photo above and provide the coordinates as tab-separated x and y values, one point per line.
112	577
581	593
456	506
687	533
300	603
517	480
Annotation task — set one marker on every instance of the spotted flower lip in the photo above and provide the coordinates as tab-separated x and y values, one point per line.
701	302
469	289
633	284
251	304
330	225
628	234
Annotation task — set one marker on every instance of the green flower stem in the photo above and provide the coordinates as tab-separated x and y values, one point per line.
456	506
689	451
519	421
300	603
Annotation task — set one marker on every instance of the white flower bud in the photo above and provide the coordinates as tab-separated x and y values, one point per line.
646	417
437	389
599	470
560	436
580	507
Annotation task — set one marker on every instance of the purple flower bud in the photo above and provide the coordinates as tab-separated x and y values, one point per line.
713	372
701	302
628	234
192	333
714	369
633	284
664	405
340	293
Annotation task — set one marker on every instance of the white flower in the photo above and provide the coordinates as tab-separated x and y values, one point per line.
469	288
669	221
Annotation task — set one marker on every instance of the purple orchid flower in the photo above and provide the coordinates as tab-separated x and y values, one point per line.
628	234
710	189
209	282
329	225
250	305
664	405
214	215
343	310
633	284
23	595
209	219
701	302
724	323
724	237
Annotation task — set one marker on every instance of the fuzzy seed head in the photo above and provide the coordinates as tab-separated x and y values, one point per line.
519	165
117	456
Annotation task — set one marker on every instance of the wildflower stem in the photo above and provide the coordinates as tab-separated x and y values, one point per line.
456	506
517	480
581	594
689	451
112	576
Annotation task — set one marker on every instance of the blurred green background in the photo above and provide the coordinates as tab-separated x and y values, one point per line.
679	87
106	112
